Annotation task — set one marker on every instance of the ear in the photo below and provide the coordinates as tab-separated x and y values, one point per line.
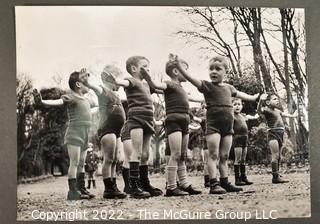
175	71
78	84
133	68
268	102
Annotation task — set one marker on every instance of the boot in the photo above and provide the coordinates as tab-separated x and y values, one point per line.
94	184
73	193
215	187
238	180
89	184
145	182
115	187
228	186
125	175
276	178
206	181
110	192
81	186
243	175
191	190
135	189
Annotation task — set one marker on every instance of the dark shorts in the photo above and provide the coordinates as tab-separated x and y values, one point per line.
276	135
77	135
220	120
125	133
141	121
112	125
177	122
240	141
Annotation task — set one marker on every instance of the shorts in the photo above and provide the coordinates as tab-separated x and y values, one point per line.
77	135
112	125
240	141
141	121
177	122
276	135
125	133
220	120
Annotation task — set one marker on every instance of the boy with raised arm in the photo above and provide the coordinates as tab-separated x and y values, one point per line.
273	117
112	117
76	136
219	118
140	124
177	128
240	140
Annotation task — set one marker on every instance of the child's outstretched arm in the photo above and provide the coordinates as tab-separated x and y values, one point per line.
263	98
294	115
195	99
190	78
247	97
153	84
250	117
38	100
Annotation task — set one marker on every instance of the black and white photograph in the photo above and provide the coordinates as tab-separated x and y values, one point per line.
161	113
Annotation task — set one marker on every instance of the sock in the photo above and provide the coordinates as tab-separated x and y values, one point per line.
224	181
182	175
274	167
125	175
107	183
171	177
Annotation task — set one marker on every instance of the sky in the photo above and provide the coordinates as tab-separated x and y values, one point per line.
57	40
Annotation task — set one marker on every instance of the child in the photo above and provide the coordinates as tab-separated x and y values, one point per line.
219	118
112	117
176	125
76	136
140	124
276	130
240	139
92	160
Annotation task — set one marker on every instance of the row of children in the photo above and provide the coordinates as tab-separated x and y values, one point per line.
136	130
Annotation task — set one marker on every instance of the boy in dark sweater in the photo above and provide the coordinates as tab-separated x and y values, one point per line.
140	124
177	129
219	118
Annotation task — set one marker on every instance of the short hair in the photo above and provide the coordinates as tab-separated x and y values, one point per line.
134	61
236	99
220	59
170	65
270	94
74	77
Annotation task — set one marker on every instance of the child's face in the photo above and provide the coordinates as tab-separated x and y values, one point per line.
216	72
237	106
274	101
141	64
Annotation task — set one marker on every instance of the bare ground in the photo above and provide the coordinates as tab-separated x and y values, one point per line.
257	201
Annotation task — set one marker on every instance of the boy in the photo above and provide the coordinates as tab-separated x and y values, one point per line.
276	130
219	118
176	125
140	124
240	139
112	117
76	136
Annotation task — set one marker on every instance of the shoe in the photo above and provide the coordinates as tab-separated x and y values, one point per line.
73	193
191	190
110	192
145	182
228	186
239	182
245	180
136	191
115	188
278	180
175	192
215	188
82	188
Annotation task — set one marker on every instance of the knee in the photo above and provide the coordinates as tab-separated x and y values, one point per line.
145	155
176	156
213	155
224	157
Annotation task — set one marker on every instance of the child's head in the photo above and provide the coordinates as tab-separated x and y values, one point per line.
218	67
237	105
76	80
173	72
135	63
272	100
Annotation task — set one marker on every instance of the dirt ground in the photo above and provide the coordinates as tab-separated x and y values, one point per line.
46	200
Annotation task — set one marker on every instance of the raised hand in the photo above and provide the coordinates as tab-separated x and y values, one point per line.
263	96
145	74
